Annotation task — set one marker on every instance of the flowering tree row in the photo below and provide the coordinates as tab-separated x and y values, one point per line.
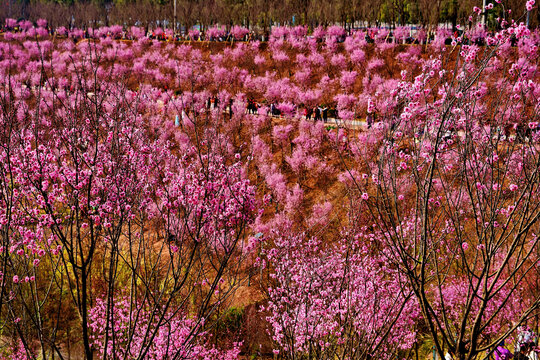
24	29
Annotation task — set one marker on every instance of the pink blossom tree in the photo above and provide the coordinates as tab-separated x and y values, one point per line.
109	210
336	301
453	197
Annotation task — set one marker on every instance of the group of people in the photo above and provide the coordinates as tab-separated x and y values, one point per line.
212	102
250	36
526	346
252	106
319	113
183	36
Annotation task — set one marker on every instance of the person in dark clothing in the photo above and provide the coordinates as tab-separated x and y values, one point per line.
274	110
325	114
523	352
523	133
369	120
309	113
317	114
507	129
252	107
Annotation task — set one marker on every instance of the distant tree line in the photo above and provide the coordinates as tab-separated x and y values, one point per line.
260	14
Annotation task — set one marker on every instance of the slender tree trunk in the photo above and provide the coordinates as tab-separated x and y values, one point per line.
84	314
